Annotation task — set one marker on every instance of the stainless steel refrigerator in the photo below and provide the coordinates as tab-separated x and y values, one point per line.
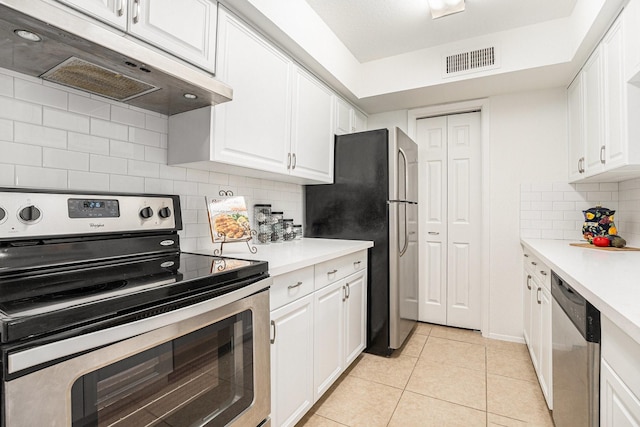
375	197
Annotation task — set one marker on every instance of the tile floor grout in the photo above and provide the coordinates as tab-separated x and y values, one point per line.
338	409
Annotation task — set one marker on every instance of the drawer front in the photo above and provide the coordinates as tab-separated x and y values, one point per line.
338	268
291	286
537	268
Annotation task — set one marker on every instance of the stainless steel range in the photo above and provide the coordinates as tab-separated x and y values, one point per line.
104	321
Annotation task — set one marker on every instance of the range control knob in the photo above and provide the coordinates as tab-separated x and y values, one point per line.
164	212
29	213
146	213
3	214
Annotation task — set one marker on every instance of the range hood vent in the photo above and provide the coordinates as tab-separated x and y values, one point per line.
77	52
470	61
83	75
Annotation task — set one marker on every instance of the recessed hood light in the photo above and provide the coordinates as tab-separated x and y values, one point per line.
440	8
28	35
190	96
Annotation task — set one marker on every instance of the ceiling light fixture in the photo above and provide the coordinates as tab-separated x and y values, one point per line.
28	35
440	8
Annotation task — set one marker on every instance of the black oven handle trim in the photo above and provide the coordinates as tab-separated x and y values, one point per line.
35	356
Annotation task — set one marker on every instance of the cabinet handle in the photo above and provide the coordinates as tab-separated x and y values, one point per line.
344	293
534	263
273	326
293	165
294	286
538	295
544	273
580	165
602	159
528	283
433	233
136	14
348	291
289	161
526	255
356	264
332	272
123	5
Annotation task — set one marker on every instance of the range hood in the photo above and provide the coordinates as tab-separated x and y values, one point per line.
88	56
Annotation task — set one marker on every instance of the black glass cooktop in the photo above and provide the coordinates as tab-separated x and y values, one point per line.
42	302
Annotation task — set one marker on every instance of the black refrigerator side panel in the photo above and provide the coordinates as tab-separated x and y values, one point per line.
355	207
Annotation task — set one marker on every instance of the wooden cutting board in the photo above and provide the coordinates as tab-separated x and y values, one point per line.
603	248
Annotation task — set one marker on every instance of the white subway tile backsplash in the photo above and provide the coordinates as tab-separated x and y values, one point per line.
127	116
530	233
550	196
107	164
563	187
39	135
6	85
543	206
21	111
550	215
175	173
629	185
158	124
190	216
210	190
541	187
29	176
531	196
574	196
144	137
595	196
146	169
21	154
6	129
183	187
197	230
161	186
87	143
89	181
65	120
109	130
195	202
126	184
564	206
609	186
222	179
63	159
552	234
126	150
90	107
155	155
7	173
40	94
588	187
197	175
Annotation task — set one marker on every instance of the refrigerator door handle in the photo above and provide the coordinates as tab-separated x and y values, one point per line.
402	157
402	247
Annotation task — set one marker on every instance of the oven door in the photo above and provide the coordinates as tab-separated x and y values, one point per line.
203	365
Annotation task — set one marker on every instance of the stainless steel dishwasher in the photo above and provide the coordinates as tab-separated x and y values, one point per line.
576	357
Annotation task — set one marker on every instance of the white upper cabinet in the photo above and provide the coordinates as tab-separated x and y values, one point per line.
347	118
602	107
186	29
278	126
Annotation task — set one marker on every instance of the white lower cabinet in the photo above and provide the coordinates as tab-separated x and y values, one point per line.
291	362
619	379
537	321
315	335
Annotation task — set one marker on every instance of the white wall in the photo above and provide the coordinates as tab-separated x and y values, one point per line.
527	144
54	137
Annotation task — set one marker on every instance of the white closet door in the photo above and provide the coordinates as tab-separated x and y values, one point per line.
450	217
464	221
432	158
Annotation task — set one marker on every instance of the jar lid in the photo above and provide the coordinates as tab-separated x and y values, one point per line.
277	213
288	219
262	206
297	225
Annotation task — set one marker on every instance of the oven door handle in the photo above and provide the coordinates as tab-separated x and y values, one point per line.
58	349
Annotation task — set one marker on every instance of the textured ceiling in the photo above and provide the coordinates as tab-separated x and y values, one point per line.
374	29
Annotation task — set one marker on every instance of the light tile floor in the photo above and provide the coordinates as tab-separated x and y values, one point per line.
441	377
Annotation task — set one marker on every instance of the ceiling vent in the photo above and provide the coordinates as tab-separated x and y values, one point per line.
470	62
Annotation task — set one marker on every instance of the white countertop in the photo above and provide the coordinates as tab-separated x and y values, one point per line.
288	256
609	280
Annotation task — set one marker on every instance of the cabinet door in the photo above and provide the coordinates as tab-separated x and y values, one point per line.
358	121
328	335
254	129
527	294
312	129
614	98
576	133
536	324
113	12
593	102
355	316
619	407
342	117
292	362
186	29
545	356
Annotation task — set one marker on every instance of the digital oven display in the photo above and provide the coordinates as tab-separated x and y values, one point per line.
93	208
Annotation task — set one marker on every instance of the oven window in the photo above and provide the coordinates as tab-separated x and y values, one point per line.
203	378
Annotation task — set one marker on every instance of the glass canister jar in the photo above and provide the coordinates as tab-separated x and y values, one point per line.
297	231
277	227
288	230
262	223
